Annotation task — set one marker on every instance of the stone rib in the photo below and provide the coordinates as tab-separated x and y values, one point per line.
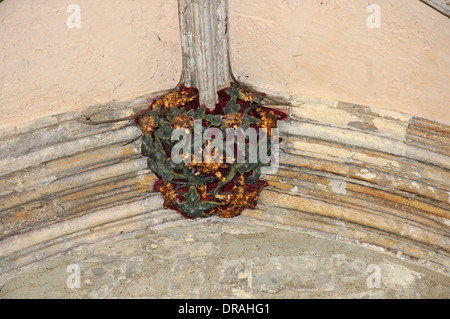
353	172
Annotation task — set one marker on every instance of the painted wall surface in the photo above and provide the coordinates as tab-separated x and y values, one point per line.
124	49
325	49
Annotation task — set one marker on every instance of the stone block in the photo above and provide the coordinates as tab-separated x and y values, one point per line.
294	273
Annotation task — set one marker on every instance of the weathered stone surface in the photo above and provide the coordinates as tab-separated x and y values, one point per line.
348	173
248	261
442	6
292	274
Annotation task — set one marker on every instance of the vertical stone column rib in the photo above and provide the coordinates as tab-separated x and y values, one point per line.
204	42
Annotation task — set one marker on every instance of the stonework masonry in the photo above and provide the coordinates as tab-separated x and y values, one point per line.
360	178
225	258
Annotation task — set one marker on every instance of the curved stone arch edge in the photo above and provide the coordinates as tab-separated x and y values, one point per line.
25	249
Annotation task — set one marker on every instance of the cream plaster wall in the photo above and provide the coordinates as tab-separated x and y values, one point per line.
128	48
325	49
123	49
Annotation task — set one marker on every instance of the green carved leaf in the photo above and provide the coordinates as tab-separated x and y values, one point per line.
215	120
207	205
245	167
200	113
196	180
165	131
152	165
255	176
192	208
233	92
162	165
192	196
192	113
231	107
250	119
145	148
174	111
